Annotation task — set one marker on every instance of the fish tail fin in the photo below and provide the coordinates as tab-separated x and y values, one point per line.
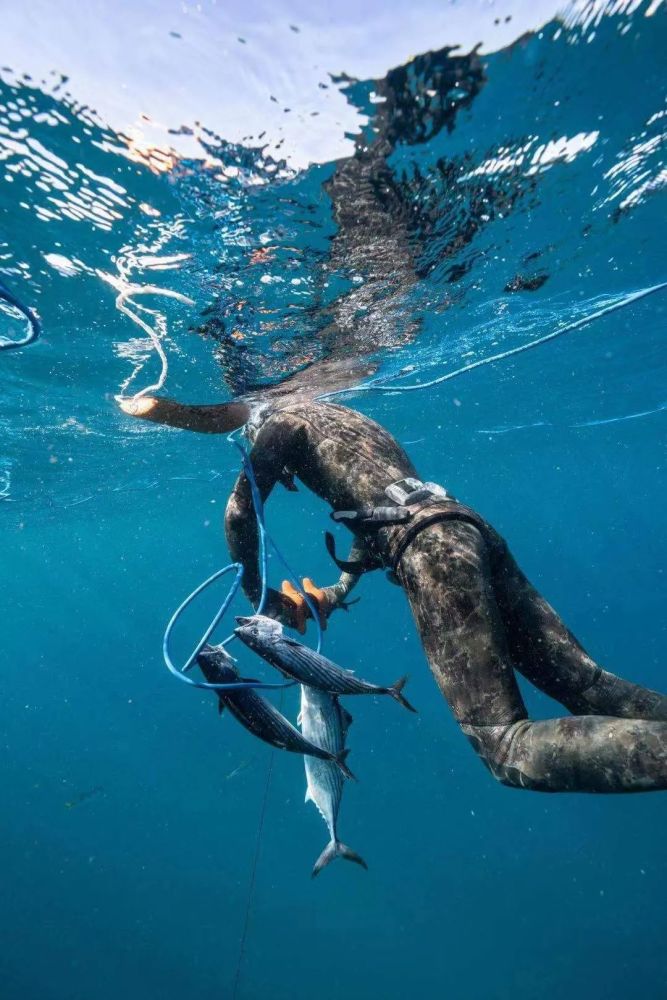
336	849
395	691
340	759
346	852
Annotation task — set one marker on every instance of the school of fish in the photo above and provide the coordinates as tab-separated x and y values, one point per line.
323	720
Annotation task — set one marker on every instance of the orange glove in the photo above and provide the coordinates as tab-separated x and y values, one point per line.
319	599
300	611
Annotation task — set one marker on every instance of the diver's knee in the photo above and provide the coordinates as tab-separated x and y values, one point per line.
497	747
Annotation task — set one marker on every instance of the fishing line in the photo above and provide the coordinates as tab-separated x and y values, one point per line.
34	326
266	541
253	870
380	384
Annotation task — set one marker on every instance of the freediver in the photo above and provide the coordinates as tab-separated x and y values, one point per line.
478	616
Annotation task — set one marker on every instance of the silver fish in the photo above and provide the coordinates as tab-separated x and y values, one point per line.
325	722
266	637
257	714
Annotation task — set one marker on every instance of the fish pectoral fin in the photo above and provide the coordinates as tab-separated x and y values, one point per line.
221	706
309	795
291	642
345	717
340	759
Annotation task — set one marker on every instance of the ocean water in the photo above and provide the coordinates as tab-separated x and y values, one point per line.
328	183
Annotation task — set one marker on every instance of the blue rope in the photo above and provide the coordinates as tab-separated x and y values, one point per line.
35	326
232	685
265	541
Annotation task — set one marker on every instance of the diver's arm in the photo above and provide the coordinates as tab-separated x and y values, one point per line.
243	537
268	459
337	594
218	418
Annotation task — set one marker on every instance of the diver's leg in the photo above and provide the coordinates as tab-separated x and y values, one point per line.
547	653
447	574
582	753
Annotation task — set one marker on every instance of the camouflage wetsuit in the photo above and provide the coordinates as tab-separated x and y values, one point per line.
478	616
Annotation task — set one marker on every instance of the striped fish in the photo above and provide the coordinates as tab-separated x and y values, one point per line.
258	715
265	636
324	721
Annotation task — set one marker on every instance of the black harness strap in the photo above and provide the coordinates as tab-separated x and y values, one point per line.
401	525
444	511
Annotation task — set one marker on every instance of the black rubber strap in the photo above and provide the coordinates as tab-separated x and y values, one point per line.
356	567
372	517
341	516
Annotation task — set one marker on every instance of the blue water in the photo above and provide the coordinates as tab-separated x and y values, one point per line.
129	807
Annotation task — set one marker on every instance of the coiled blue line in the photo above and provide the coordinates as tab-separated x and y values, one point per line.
35	327
265	541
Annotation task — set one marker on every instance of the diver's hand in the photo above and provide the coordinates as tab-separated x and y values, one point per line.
290	609
279	607
325	600
289	606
